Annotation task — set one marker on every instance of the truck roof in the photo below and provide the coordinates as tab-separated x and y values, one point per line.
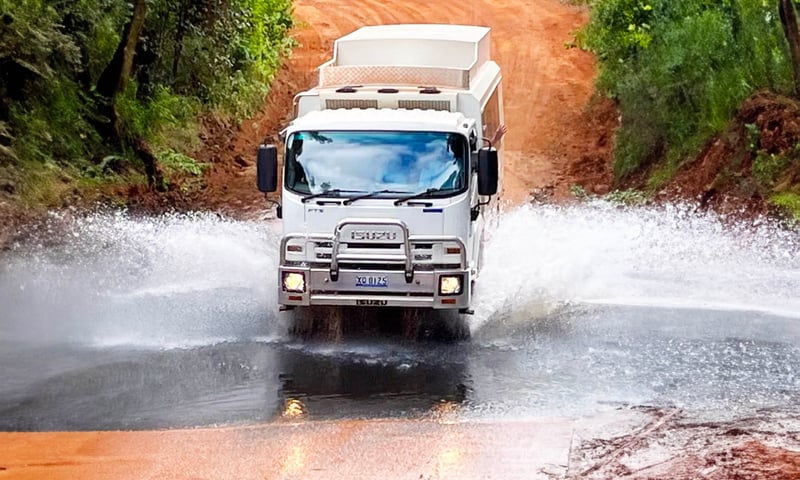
433	31
433	45
380	119
415	54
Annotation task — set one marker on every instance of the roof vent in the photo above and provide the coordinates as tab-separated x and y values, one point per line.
388	90
443	105
347	89
429	90
333	103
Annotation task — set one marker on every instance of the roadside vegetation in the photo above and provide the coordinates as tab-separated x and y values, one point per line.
97	93
685	76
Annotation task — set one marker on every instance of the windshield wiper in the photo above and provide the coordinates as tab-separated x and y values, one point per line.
427	193
328	193
370	195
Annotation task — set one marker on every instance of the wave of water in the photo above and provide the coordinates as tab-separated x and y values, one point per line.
543	256
174	280
184	280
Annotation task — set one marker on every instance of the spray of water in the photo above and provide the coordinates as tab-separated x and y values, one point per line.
183	280
542	257
174	280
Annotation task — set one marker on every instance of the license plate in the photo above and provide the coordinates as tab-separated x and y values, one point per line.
372	281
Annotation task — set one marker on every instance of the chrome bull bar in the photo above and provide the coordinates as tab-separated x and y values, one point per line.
405	258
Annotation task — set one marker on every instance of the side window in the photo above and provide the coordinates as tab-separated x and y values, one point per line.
295	173
490	118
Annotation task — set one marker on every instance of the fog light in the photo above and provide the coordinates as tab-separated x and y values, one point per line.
450	285
294	282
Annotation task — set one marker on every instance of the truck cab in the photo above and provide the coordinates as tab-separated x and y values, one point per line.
387	173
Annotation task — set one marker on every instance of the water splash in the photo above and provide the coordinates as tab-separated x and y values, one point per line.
185	280
169	281
543	256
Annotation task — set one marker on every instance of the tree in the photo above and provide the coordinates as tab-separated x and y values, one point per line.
788	15
112	82
116	74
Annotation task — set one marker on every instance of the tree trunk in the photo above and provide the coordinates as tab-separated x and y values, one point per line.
155	178
118	71
113	81
180	32
788	16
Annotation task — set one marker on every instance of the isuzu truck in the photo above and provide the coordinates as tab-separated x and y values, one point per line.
389	171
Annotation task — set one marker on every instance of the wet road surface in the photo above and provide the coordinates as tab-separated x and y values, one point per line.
578	362
167	323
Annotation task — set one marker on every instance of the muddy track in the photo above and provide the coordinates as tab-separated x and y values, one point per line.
557	134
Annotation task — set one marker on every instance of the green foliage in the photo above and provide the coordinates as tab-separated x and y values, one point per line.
223	52
679	70
578	192
32	42
181	170
767	167
178	163
94	26
753	136
662	174
42	183
163	118
627	197
789	201
194	56
52	126
620	197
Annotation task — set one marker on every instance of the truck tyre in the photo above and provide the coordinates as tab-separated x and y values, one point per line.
320	323
444	326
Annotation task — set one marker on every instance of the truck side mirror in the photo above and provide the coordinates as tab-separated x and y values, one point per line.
487	171
267	168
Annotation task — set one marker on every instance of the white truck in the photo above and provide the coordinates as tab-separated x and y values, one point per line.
389	171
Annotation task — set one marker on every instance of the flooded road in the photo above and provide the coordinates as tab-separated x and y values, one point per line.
115	323
118	323
569	365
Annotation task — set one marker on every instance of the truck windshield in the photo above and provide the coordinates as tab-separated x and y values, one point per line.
399	162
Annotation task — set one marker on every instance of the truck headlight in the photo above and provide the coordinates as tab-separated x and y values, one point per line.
294	282
450	284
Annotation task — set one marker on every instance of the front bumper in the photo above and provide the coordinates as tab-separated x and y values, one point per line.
350	288
393	269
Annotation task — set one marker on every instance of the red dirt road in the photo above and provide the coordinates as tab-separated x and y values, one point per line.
546	86
379	449
556	135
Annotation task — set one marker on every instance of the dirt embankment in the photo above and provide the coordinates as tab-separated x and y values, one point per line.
755	158
740	171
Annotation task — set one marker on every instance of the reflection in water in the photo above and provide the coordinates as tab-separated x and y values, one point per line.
372	380
294	409
75	389
228	383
